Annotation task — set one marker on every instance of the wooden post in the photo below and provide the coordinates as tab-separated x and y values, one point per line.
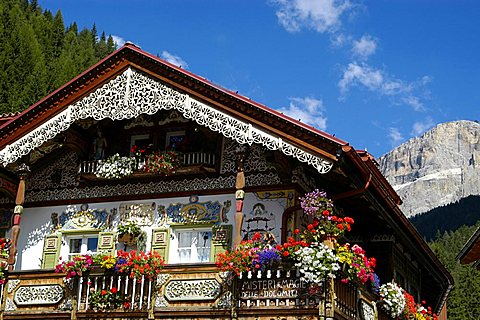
239	195
22	172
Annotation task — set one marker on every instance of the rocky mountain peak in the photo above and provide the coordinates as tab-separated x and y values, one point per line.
440	167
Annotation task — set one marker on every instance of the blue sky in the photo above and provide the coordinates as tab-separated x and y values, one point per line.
374	73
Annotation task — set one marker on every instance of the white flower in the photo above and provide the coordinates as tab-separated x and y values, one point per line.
393	298
115	167
316	263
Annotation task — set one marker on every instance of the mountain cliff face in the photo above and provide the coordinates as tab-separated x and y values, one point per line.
440	167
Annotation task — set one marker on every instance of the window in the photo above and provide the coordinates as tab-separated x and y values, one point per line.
174	140
190	245
142	141
80	244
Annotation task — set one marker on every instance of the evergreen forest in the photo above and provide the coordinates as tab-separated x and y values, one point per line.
38	53
463	300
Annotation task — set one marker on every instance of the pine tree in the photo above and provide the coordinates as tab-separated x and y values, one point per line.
463	300
38	54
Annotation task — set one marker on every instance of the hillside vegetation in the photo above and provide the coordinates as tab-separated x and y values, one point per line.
38	53
463	301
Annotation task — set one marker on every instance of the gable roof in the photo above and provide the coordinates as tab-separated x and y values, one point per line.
130	57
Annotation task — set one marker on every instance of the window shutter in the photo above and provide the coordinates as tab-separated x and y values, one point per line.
160	241
221	239
51	250
106	243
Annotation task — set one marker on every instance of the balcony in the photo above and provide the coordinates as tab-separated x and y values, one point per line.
183	291
190	163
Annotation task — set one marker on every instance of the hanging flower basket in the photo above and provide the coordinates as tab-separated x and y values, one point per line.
128	238
128	233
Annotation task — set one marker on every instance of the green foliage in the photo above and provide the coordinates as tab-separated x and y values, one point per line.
463	300
38	55
448	218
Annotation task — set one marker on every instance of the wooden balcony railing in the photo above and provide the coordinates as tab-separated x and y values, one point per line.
184	291
189	162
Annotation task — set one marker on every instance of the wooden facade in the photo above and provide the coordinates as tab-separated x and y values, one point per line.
241	169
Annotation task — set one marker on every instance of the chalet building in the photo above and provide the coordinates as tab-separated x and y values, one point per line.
204	168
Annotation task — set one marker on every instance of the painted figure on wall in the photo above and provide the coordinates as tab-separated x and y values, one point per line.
261	221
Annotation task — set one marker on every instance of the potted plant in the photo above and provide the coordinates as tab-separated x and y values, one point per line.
128	233
138	264
115	167
162	163
76	267
104	299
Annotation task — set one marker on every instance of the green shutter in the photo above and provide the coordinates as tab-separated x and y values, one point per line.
160	241
221	239
51	250
106	243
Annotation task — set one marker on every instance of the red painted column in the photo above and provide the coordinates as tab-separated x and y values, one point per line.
239	196
22	171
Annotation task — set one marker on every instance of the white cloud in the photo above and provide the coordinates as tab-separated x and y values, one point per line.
319	15
308	110
338	40
420	127
173	59
356	74
364	47
395	136
119	41
375	80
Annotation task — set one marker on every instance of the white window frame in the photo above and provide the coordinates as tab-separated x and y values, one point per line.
134	138
65	249
174	254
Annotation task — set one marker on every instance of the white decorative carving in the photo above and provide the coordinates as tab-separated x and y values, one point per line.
33	295
162	279
225	301
178	290
60	173
9	305
140	121
133	93
140	213
160	302
148	188
12	284
367	311
172	117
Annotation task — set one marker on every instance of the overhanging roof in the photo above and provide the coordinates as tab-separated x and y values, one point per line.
471	250
51	115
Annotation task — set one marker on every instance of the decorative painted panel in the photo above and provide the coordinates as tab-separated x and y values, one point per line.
195	212
141	213
34	295
179	290
84	218
132	189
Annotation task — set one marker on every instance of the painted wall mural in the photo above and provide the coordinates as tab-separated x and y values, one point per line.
85	218
198	212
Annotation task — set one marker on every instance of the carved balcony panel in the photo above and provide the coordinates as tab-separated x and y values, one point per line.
187	291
